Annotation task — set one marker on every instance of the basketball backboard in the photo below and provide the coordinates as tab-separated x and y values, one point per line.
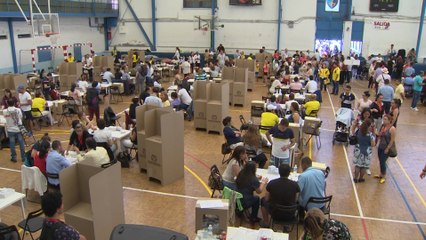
46	24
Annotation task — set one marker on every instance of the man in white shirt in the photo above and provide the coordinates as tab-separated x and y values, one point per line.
102	135
391	51
88	65
25	101
153	99
381	78
108	76
311	86
185	101
13	118
185	67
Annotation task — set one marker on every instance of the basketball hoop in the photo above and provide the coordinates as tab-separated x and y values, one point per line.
52	36
205	29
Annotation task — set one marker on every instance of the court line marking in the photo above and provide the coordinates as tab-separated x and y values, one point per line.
379	219
406	174
199	179
161	193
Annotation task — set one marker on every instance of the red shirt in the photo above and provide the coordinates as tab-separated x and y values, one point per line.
40	163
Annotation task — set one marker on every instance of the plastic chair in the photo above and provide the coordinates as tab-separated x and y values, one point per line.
319	200
277	213
33	223
38	117
10	232
313	113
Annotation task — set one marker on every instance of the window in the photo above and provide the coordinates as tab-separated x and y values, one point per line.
198	3
114	4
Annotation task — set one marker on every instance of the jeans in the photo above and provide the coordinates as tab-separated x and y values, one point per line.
416	97
94	111
382	159
230	185
253	203
12	140
322	85
140	84
335	87
386	106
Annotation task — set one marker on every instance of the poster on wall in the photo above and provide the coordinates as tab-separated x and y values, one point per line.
332	5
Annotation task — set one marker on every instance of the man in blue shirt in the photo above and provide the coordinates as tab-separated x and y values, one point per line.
417	90
312	184
55	163
201	75
387	92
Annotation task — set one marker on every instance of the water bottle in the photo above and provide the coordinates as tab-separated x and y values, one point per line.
210	231
295	168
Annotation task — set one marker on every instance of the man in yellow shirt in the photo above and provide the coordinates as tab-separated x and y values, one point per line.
335	78
40	104
399	90
268	119
70	58
311	105
323	75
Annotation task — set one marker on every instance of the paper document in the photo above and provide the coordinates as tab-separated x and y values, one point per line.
210	203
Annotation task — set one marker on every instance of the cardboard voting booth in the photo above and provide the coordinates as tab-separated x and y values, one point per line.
92	198
200	104
217	106
140	126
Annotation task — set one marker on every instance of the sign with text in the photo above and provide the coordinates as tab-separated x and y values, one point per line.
383	25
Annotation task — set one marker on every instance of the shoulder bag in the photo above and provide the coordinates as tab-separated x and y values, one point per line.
21	127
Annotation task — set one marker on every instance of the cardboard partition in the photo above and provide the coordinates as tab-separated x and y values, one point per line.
239	100
63	68
228	73
215	111
8	81
19	79
108	61
200	90
241	75
240	63
97	61
218	92
142	149
2	84
200	123
140	115
239	89
250	65
220	212
296	131
215	126
200	109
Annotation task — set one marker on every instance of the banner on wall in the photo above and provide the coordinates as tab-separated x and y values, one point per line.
332	5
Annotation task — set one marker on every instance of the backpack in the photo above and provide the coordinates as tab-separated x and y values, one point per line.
143	70
215	179
124	158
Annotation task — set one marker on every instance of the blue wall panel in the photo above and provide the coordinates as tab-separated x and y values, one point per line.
329	25
357	31
44	55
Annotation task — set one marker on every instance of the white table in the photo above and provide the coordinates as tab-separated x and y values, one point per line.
117	133
11	199
234	233
172	88
271	176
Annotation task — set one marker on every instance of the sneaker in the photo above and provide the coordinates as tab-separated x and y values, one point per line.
13	160
416	109
368	171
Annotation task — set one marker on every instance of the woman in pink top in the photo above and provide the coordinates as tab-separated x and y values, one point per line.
265	69
296	86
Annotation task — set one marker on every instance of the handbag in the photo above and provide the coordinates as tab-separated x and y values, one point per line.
225	148
326	81
353	140
392	151
21	127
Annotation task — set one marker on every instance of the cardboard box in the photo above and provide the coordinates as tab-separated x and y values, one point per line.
200	109
83	187
257	108
239	89
228	73
219	212
164	144
241	75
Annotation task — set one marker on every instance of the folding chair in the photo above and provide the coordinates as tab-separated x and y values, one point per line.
32	224
285	215
313	113
38	117
226	151
319	200
111	119
10	232
313	130
115	94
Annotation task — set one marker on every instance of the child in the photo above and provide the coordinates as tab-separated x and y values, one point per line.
175	102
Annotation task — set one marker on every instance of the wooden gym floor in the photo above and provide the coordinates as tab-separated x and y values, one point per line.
394	210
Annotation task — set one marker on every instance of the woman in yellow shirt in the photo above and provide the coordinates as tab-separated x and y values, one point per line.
40	104
323	75
335	78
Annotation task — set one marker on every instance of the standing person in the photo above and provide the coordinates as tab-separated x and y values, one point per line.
387	136
399	90
364	102
324	74
380	80
141	73
417	90
371	72
318	227
265	69
25	102
276	196
394	111
88	65
377	111
55	163
335	78
283	141
347	98
363	150
53	227
247	183
237	161
185	67
176	56
13	118
387	92
93	101
253	144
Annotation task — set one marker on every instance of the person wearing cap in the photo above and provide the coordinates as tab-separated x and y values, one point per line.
283	140
387	92
25	102
380	80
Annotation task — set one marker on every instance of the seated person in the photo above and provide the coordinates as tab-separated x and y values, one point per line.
132	140
311	104
153	99
283	140
294	116
317	226
55	163
175	100
78	139
247	183
289	101
144	95
165	98
85	121
97	154
253	144
232	135
41	104
296	86
235	163
311	86
40	155
53	227
102	135
275	84
276	196
312	184
132	109
278	108
75	94
8	95
268	119
185	101
201	75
